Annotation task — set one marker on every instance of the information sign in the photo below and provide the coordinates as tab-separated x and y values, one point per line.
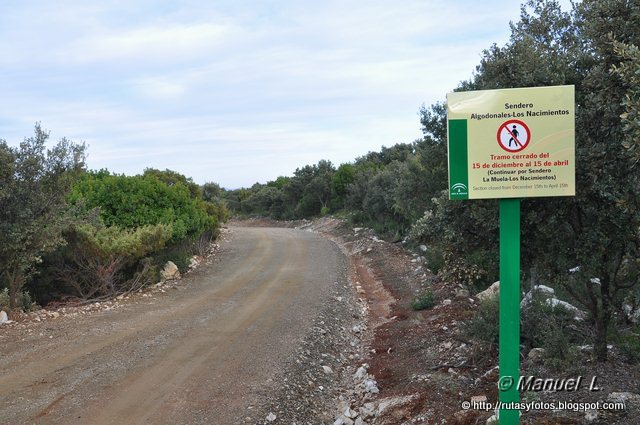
511	143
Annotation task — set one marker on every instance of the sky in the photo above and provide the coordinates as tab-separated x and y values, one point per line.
235	92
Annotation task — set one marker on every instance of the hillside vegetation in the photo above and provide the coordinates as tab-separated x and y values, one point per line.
401	191
65	230
93	234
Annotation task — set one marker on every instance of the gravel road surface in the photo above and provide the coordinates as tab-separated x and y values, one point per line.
203	352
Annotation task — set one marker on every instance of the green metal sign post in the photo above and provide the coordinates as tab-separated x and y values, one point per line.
509	144
509	358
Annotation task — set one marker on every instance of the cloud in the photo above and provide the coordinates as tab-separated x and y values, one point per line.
163	43
159	88
225	92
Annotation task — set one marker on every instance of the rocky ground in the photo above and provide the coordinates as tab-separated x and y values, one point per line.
422	365
369	358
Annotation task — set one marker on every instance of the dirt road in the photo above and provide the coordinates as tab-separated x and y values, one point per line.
201	353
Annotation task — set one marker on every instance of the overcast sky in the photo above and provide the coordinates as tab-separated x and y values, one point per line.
235	92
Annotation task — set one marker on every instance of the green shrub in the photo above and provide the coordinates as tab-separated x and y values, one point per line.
537	317
457	270
4	298
104	261
484	327
25	303
129	202
180	254
553	329
426	301
559	353
434	259
628	343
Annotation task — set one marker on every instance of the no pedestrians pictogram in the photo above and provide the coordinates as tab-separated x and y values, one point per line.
514	136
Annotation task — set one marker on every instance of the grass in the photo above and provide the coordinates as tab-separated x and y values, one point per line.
425	301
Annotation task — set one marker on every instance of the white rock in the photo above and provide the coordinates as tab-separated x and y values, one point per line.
479	399
446	302
493	420
360	374
546	291
368	410
535	354
633	314
350	413
3	317
392	402
591	415
623	397
194	262
359	421
271	417
490	292
170	271
327	370
371	386
423	248
554	302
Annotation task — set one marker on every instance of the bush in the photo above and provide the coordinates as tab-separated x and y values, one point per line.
628	343
484	327
434	259
457	270
24	301
180	254
97	259
425	301
559	353
132	202
539	318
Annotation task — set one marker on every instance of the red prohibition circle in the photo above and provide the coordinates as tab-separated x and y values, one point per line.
505	126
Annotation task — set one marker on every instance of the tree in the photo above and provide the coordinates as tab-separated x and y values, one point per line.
34	183
211	192
629	72
267	201
172	178
600	226
340	182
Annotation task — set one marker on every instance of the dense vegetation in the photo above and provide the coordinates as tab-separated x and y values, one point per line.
401	191
65	230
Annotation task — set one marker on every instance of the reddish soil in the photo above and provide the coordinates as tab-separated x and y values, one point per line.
424	354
